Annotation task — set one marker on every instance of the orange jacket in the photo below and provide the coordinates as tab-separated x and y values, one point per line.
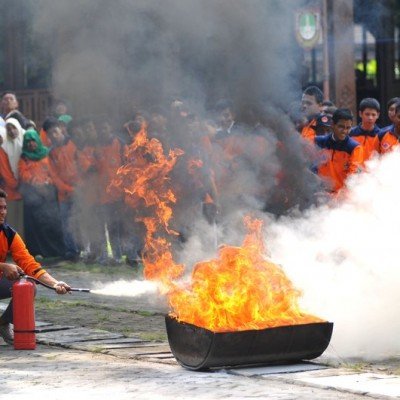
340	159
308	132
367	139
63	160
44	138
387	141
8	181
39	173
19	252
89	184
108	160
86	159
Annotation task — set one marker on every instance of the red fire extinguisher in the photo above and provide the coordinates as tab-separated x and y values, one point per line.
23	293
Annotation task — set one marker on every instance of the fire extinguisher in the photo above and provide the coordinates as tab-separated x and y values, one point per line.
23	293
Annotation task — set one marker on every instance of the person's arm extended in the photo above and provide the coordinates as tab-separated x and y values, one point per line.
60	286
29	266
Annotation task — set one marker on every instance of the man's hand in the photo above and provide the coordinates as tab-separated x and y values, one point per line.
11	271
62	288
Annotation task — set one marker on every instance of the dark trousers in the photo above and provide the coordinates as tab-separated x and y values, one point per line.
5	293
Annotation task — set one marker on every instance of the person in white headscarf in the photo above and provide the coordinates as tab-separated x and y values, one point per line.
13	136
12	143
2	128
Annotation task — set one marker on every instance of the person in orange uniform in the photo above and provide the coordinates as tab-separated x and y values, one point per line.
391	112
311	106
7	178
11	242
109	157
342	155
366	133
389	140
92	229
62	157
42	222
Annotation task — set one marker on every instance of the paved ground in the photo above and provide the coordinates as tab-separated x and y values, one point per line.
92	345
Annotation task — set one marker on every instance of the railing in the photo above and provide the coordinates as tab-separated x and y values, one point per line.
35	104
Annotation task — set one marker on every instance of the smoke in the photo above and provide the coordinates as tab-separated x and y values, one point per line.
344	256
150	51
116	57
126	288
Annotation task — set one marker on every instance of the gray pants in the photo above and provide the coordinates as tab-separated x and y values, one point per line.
5	293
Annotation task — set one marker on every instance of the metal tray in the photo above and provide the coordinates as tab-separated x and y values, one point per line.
197	348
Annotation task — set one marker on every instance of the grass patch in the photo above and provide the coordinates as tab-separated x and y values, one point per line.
93	268
153	336
55	303
145	313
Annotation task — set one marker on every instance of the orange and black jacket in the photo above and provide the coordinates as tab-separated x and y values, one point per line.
63	160
387	141
7	178
339	159
367	139
11	242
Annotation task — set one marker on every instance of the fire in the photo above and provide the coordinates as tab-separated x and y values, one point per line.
145	183
239	290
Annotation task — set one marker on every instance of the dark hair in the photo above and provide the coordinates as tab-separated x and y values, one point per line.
49	123
397	108
316	92
328	103
9	92
370	102
330	110
392	101
342	113
3	194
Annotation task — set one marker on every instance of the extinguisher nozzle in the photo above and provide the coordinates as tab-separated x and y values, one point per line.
79	290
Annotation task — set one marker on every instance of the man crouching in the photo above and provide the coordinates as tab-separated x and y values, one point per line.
12	243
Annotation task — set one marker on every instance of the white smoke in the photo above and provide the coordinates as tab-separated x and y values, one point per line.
345	258
127	288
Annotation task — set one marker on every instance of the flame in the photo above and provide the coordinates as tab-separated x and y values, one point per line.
239	290
145	182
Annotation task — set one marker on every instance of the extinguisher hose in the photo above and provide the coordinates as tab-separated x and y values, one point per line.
31	278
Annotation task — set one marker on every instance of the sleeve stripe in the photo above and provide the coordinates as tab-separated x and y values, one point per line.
37	270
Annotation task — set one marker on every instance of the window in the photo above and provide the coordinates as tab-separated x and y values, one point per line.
365	57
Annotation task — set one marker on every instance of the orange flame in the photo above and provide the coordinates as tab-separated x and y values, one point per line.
145	183
240	290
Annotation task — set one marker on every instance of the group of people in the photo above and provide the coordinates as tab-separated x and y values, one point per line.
62	180
63	198
346	148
